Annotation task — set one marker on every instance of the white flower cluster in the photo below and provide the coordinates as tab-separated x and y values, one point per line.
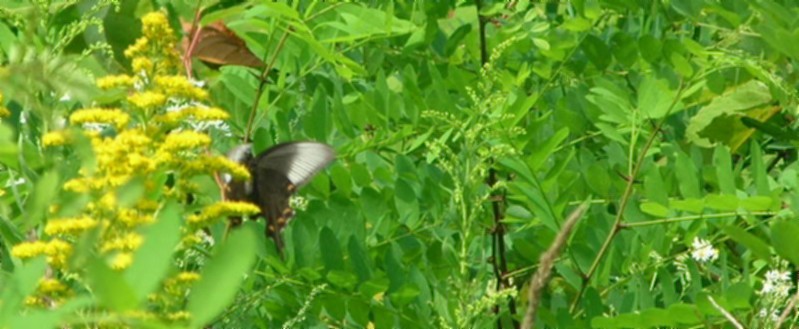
702	251
777	283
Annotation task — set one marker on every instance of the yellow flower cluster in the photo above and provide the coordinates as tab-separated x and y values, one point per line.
147	99
184	141
178	85
142	64
128	242
122	261
187	276
115	81
210	164
158	42
134	217
56	138
115	117
69	226
192	112
223	209
177	284
57	251
147	145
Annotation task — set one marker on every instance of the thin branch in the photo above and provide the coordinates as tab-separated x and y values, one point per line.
262	84
726	314
547	261
498	259
628	191
787	311
695	217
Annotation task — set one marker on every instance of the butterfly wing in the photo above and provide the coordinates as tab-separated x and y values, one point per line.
299	161
278	172
272	193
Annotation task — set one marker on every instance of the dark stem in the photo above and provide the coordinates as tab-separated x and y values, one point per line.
262	84
498	261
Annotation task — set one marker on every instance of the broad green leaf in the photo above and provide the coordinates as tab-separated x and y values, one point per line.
723	163
654	209
152	260
8	149
624	48
374	287
650	48
359	259
342	279
44	193
597	51
110	287
722	202
221	277
718	121
405	294
758	203
783	239
758	247
655	98
691	205
330	249
544	151
759	170
682	65
22	283
407	203
687	179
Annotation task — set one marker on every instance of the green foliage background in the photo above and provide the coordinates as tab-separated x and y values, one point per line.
457	125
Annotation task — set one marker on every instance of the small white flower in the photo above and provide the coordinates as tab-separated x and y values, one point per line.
778	276
777	283
66	98
703	251
768	287
774	315
197	83
93	126
16	182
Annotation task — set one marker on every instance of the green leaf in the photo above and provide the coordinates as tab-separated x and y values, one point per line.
624	48
691	205
374	286
758	247
687	177
597	51
110	287
722	202
43	194
21	284
221	277
718	121
654	209
783	239
655	98
407	203
342	279
152	260
650	48
8	149
758	203
723	163
330	249
359	259
405	294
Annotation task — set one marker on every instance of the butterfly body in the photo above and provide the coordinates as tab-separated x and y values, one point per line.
276	174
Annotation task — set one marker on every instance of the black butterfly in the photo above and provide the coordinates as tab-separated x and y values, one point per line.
276	174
